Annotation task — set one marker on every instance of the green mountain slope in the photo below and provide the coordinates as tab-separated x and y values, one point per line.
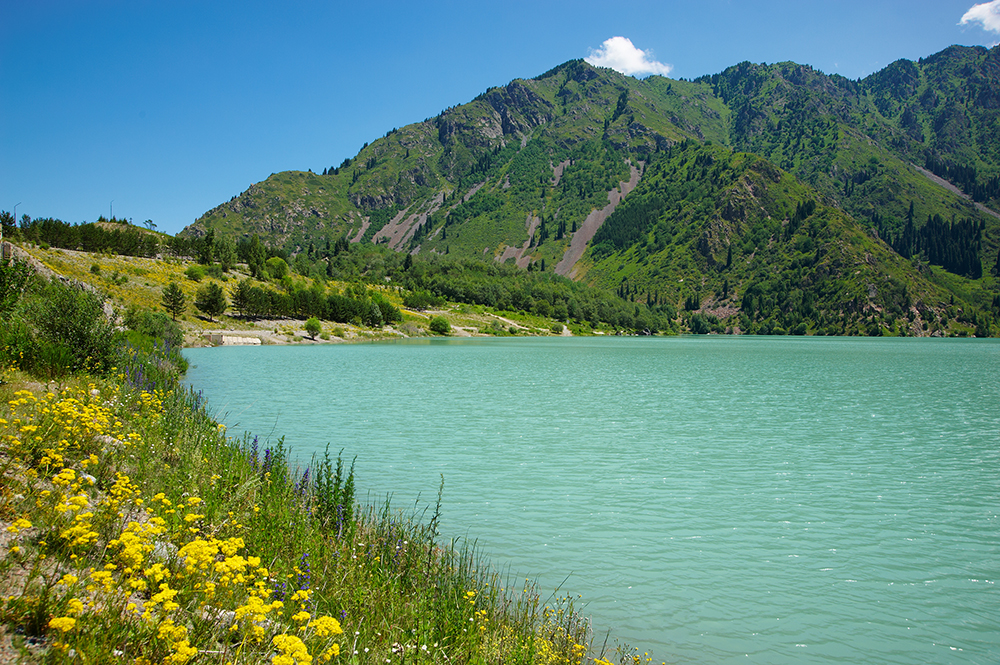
635	185
740	243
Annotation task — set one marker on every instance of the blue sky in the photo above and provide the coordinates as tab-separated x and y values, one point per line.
162	110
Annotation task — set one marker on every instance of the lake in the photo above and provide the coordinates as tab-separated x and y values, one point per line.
713	499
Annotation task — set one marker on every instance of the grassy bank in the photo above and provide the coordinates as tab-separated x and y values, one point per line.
133	528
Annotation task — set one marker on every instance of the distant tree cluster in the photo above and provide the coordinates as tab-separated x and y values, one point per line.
541	293
955	246
359	305
966	177
122	238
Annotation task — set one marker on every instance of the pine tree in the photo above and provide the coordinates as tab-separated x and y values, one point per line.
243	297
256	256
174	300
211	301
225	252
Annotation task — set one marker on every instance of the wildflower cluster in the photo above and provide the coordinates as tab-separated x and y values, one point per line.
139	562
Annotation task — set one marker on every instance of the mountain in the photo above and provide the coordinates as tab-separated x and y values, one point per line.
765	198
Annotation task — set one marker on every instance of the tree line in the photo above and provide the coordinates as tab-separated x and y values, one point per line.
979	187
954	245
115	236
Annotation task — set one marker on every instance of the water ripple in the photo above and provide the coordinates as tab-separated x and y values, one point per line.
717	500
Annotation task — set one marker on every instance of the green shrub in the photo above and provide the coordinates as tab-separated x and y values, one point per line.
15	276
313	327
153	324
276	267
75	318
440	325
195	272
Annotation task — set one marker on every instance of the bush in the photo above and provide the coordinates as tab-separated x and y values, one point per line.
15	276
147	363
56	329
276	267
73	317
153	324
440	325
313	327
195	272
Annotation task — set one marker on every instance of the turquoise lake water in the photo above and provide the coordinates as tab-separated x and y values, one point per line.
713	499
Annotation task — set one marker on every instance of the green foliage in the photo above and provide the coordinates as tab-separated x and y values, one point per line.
225	252
276	267
112	236
214	270
254	254
313	327
195	272
154	325
211	300
54	329
148	361
440	325
14	277
421	300
334	495
174	300
73	318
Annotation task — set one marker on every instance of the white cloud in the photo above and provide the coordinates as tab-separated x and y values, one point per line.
620	54
987	14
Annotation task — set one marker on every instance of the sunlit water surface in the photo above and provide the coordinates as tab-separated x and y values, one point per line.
714	500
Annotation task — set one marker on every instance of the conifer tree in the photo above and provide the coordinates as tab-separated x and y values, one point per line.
174	300
256	256
211	301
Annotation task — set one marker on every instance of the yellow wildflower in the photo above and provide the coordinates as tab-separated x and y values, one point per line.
65	624
19	525
326	626
293	651
330	653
